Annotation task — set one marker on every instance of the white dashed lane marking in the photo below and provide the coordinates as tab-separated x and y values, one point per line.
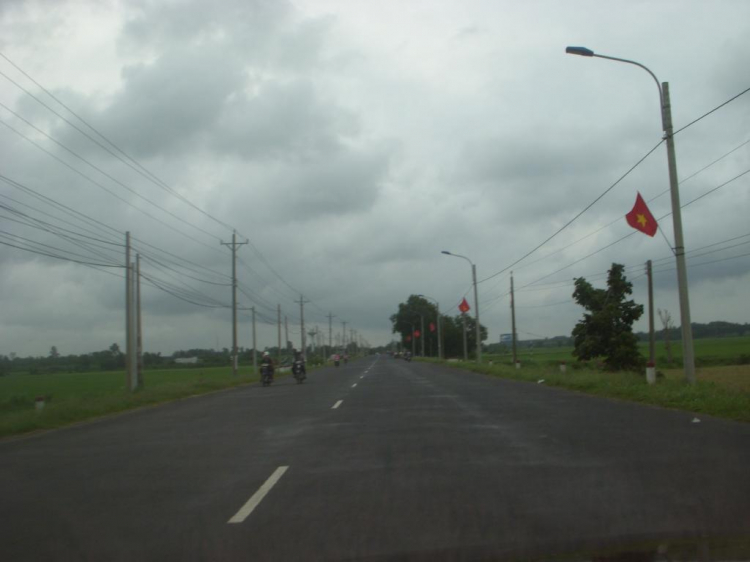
258	496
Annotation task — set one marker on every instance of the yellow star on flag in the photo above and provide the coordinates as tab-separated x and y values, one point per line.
642	220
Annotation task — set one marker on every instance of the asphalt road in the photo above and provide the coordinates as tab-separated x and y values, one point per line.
377	460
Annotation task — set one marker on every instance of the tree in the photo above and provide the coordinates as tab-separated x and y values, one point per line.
666	322
53	353
607	329
409	316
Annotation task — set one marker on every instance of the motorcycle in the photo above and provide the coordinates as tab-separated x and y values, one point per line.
298	370
336	362
266	375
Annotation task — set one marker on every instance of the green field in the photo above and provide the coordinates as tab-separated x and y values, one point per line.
708	351
721	394
78	396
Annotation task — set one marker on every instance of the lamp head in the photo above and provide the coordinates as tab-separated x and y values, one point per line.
582	51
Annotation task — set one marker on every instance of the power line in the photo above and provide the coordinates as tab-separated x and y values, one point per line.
693	122
618	181
138	166
96	183
635	231
566	225
59	257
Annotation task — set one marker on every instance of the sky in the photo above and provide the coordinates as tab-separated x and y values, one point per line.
349	142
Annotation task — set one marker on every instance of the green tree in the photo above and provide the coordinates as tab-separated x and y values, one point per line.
409	317
606	330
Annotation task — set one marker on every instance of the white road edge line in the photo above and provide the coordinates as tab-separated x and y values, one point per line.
354	385
258	496
337	404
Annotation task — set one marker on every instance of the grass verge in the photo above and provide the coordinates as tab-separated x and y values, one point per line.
71	398
705	397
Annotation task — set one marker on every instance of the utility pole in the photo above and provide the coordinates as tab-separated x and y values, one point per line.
466	353
302	302
343	336
440	333
139	325
278	325
130	360
651	334
413	343
513	319
234	245
421	332
255	345
476	312
330	332
286	333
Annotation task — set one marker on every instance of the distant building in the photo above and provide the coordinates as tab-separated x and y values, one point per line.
186	360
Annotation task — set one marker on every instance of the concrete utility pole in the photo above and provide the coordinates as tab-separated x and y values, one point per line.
513	319
330	332
233	245
421	332
131	362
651	334
138	323
343	335
413	342
286	333
302	302
278	325
466	352
255	345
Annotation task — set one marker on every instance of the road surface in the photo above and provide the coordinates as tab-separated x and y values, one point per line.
377	460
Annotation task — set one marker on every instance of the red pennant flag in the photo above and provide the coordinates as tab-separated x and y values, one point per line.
432	326
417	333
464	306
641	218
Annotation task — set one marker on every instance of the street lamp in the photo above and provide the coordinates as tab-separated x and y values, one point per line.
476	301
679	250
440	337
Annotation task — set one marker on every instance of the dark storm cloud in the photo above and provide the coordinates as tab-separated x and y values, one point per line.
283	120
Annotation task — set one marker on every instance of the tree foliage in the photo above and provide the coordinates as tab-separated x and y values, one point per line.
606	330
409	317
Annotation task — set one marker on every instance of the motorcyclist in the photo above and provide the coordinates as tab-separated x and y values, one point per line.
299	358
267	362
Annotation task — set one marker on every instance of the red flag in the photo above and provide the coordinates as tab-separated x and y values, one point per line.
641	218
416	333
432	326
464	306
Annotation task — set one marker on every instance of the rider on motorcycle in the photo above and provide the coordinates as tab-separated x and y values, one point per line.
298	358
267	362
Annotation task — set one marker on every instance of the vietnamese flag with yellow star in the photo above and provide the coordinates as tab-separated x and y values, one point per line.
641	218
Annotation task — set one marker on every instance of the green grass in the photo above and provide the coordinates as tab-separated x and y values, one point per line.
706	397
78	396
708	351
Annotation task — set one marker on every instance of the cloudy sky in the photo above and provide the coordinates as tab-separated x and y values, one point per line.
350	142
